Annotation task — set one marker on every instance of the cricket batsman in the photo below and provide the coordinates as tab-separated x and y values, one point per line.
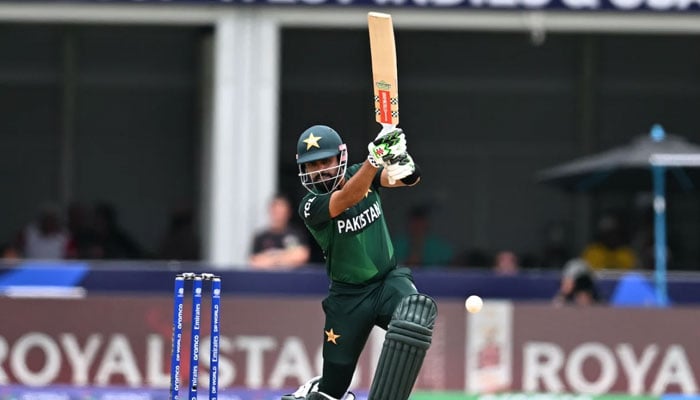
343	211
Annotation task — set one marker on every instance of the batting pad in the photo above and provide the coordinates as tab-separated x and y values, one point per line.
407	339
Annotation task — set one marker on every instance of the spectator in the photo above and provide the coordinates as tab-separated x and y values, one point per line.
112	242
506	263
8	253
280	245
609	250
45	237
577	285
180	241
83	243
419	246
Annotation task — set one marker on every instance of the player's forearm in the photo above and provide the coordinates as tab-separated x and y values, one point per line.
354	189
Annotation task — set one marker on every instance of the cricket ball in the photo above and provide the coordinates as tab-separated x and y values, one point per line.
473	304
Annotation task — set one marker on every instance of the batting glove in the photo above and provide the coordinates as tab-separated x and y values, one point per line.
386	147
400	167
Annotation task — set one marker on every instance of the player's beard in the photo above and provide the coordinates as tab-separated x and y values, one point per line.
326	181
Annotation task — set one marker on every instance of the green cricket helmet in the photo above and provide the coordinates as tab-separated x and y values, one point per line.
317	143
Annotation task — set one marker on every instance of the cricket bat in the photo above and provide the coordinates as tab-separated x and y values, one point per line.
384	72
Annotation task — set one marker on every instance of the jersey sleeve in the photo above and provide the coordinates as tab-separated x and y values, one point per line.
314	210
376	182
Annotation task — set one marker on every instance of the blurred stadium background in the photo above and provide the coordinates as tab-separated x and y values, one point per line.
153	106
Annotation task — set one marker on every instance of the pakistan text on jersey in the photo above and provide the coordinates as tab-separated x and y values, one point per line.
361	220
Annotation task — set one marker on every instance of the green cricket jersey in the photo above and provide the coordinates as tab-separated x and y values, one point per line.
356	243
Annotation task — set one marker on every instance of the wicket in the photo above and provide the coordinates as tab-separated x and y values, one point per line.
178	305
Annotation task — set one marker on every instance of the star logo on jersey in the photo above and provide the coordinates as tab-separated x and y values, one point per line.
331	336
312	141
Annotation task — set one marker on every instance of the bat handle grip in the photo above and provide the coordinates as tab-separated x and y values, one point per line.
386	128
